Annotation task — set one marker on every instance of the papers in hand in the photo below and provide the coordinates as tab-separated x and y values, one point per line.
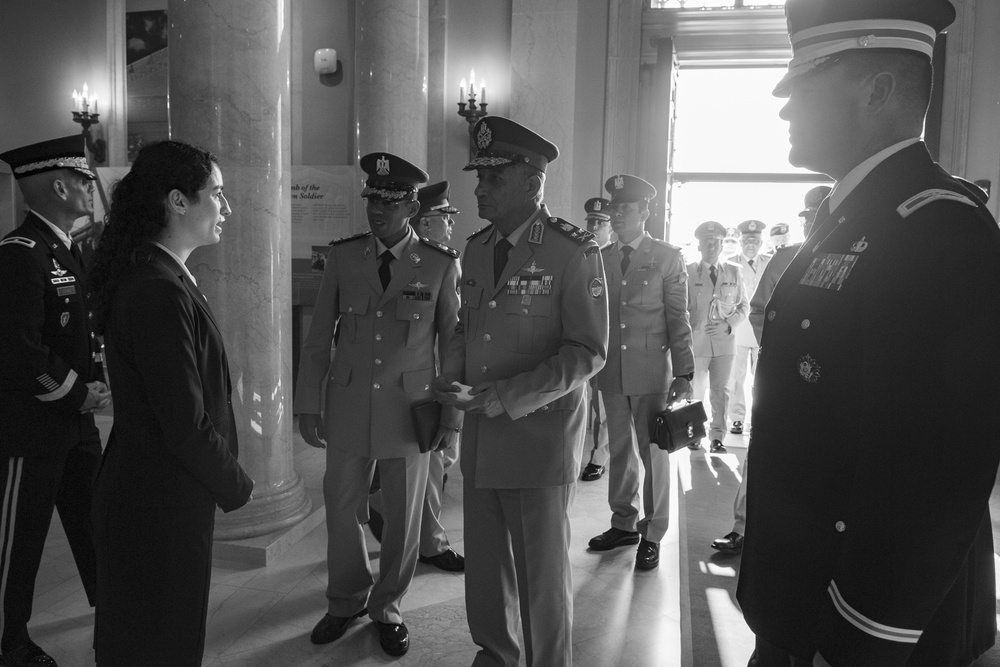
463	394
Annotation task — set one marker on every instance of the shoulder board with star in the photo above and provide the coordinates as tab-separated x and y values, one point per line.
446	249
350	238
576	234
19	240
479	231
921	199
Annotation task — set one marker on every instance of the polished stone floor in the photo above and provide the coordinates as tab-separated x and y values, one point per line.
681	614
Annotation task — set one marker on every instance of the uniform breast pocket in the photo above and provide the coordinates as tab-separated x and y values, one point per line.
420	318
352	306
530	318
651	284
471	303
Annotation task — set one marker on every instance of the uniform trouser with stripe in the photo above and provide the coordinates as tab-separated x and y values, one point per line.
32	488
744	366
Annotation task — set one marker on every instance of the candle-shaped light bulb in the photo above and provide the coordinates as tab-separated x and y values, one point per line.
76	100
482	91
461	91
472	84
95	105
86	96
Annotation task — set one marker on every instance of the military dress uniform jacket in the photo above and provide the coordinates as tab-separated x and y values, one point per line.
647	316
384	361
48	351
751	278
875	449
766	281
540	334
174	440
726	301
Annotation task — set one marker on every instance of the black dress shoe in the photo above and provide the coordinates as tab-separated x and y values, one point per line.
393	638
717	447
732	542
375	523
592	472
449	561
331	627
613	538
648	555
26	655
737	428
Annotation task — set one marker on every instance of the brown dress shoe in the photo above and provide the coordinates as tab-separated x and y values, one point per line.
613	538
732	542
332	627
648	555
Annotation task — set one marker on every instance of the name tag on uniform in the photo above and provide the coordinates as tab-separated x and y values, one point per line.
529	285
66	291
416	296
829	270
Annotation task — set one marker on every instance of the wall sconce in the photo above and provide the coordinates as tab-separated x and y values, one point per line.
85	113
470	111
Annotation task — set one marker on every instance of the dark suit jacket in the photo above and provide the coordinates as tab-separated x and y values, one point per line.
173	442
47	348
874	440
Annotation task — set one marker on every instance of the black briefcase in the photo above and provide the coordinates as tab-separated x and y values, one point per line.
680	425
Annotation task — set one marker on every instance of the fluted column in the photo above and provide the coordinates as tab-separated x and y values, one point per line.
229	69
390	94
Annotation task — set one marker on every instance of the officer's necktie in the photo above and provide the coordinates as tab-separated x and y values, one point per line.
500	251
750	262
626	257
712	274
74	250
383	268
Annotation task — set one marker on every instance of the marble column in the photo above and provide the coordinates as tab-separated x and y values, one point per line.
543	86
390	92
229	93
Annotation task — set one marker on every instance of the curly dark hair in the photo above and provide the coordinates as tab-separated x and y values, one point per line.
138	214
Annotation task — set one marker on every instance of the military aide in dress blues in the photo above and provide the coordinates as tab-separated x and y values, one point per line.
533	329
868	538
50	382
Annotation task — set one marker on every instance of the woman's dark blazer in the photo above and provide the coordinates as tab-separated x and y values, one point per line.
174	439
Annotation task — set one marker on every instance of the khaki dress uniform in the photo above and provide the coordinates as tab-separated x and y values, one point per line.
726	301
648	328
384	363
745	362
875	451
539	333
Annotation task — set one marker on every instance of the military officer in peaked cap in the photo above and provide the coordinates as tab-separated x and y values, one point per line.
650	364
394	297
868	538
717	303
433	220
598	223
812	200
533	329
752	264
50	383
780	235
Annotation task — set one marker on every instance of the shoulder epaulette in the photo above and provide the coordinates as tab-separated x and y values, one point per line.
20	240
479	231
919	200
446	249
580	236
350	238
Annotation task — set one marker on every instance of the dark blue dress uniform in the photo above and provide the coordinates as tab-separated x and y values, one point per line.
868	532
49	451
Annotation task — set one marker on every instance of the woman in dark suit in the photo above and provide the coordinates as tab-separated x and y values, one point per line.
171	456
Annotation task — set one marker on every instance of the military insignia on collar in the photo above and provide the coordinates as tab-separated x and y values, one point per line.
860	246
415	258
596	288
809	369
619	182
382	166
60	271
536	232
417	285
64	320
368	250
484	137
533	268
